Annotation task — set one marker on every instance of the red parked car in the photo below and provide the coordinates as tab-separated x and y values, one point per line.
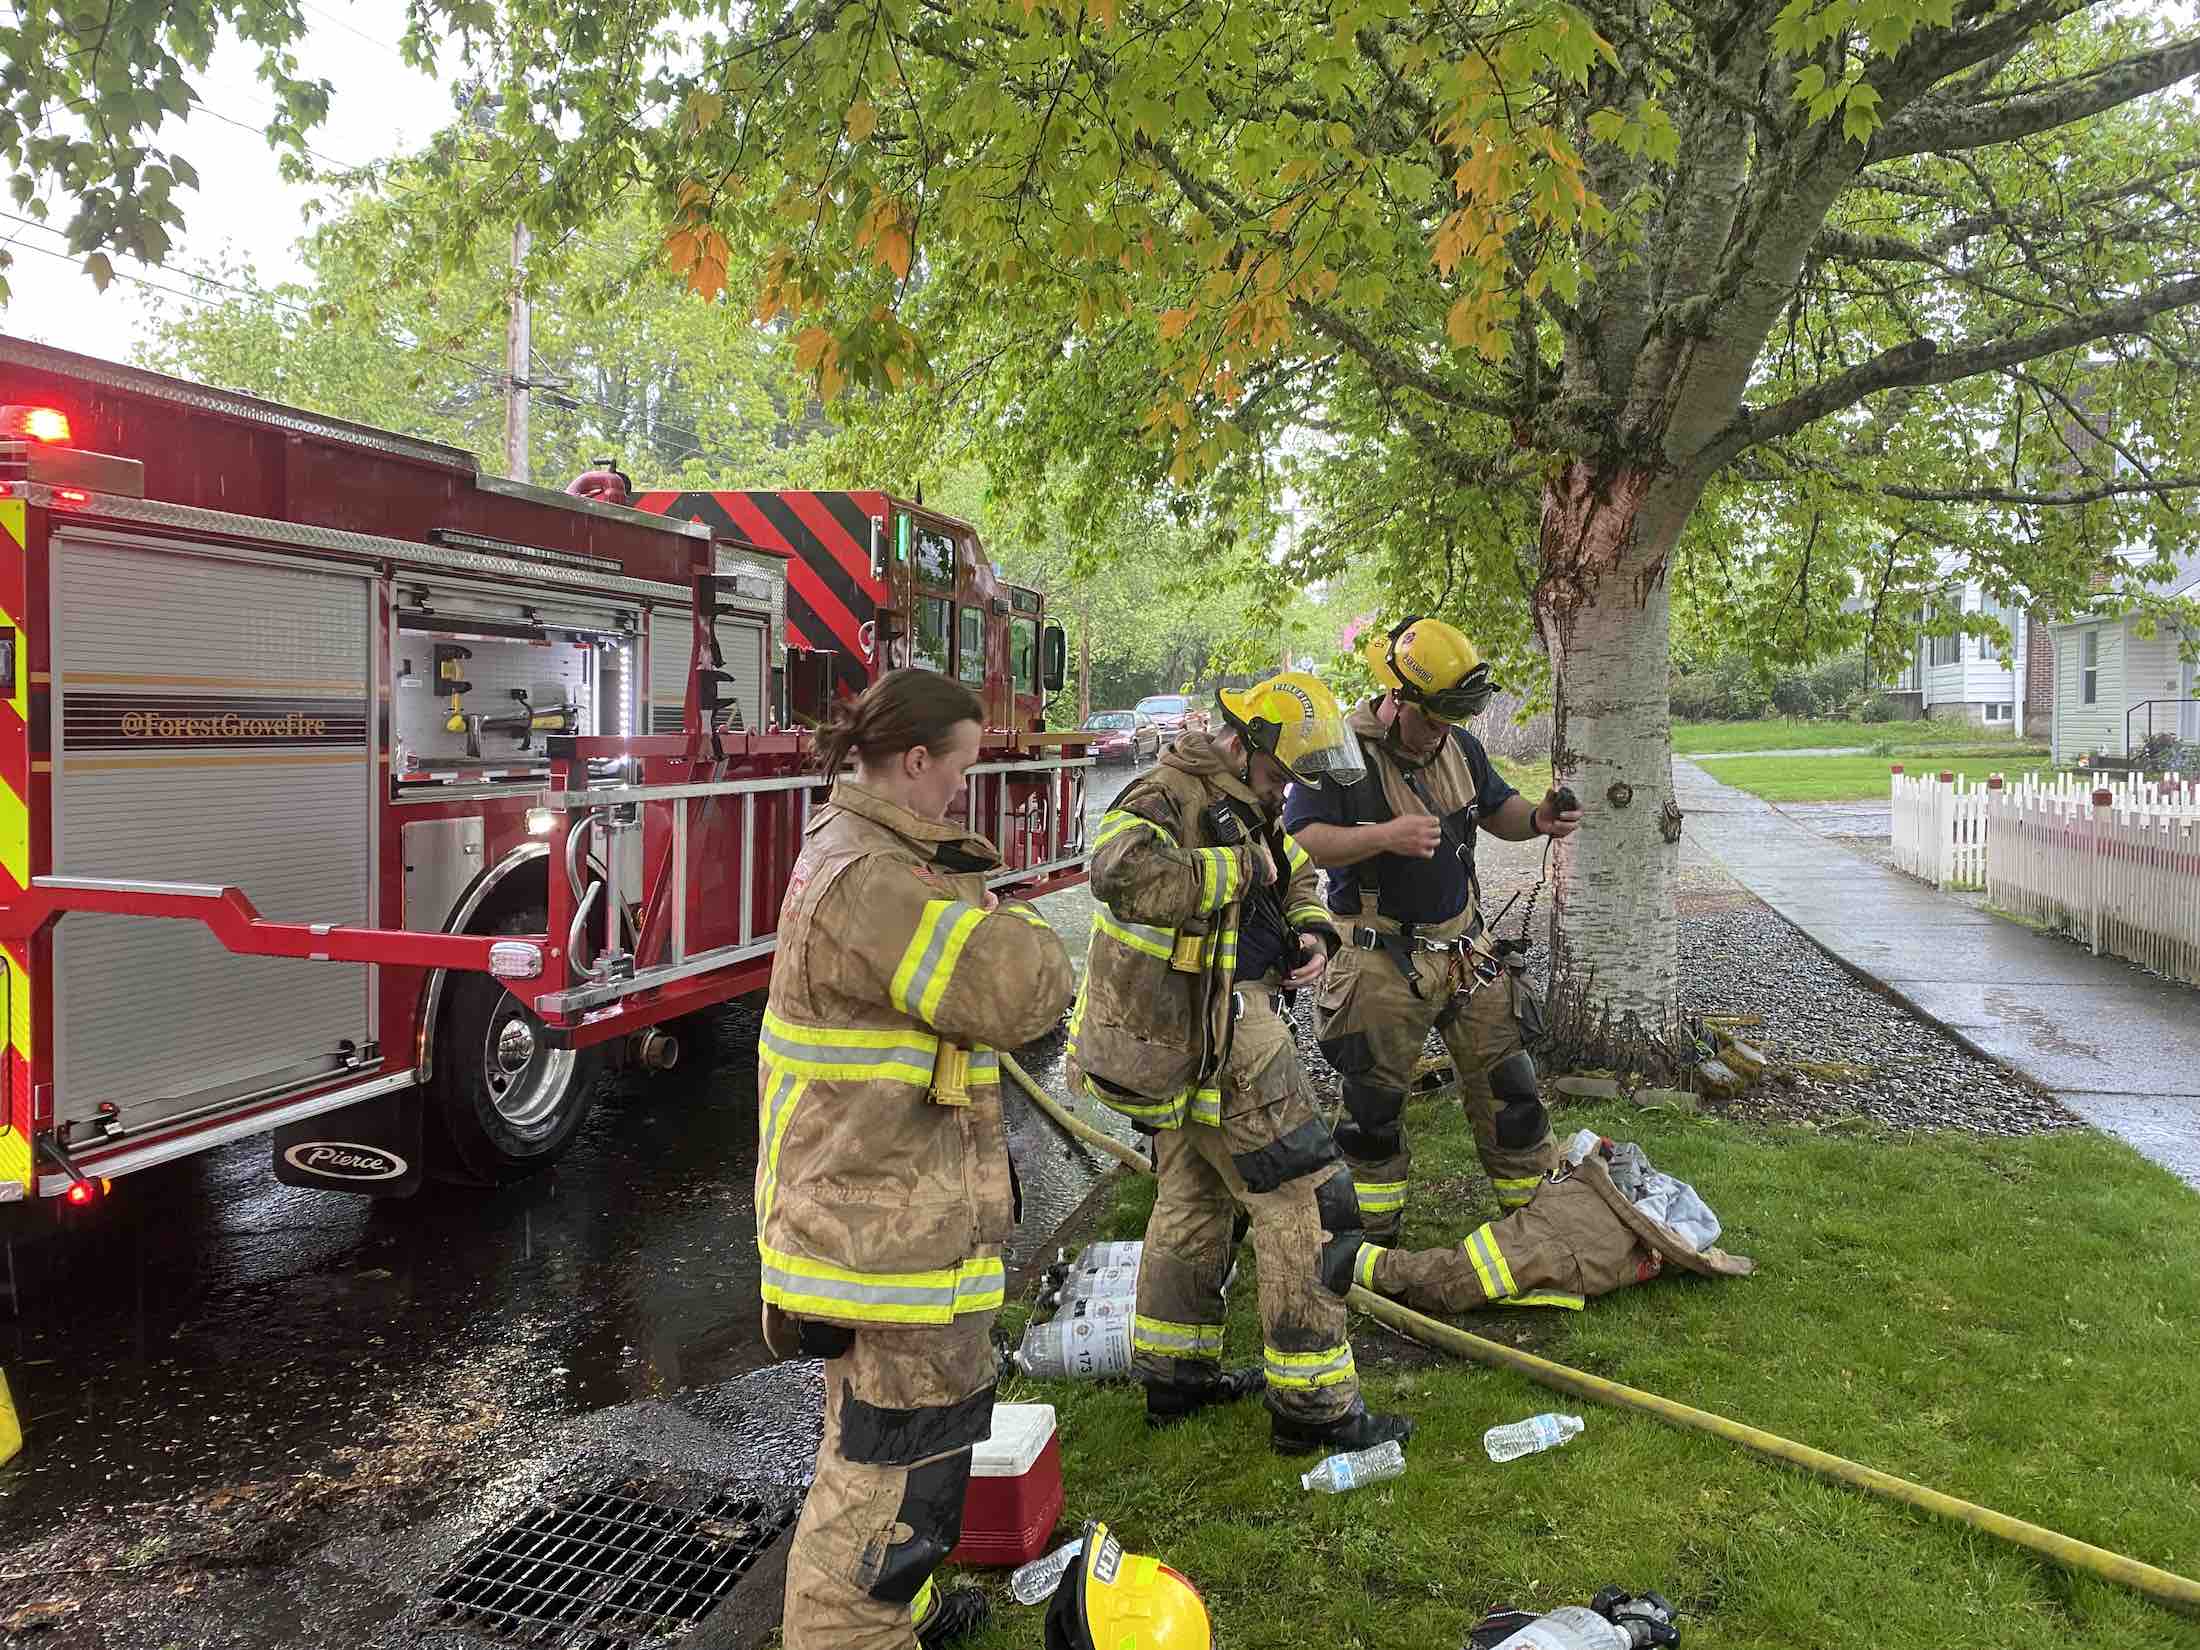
1173	713
1125	736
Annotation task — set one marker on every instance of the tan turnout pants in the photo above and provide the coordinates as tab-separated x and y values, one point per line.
1373	1024
902	1409
1565	1247
1272	1154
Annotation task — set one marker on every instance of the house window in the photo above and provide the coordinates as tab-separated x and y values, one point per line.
2091	674
2000	713
1990	647
970	655
1947	650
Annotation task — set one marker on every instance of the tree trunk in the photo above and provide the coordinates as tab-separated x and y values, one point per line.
1084	657
1602	609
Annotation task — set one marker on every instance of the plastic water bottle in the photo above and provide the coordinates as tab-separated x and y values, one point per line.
1362	1466
1538	1432
1034	1583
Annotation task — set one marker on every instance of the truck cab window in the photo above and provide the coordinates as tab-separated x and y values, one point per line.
928	648
935	557
1023	655
970	654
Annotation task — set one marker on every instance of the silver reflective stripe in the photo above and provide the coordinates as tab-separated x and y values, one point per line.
936	1297
917	1052
913	979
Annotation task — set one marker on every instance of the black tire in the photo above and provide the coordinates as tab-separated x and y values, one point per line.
701	1046
510	1100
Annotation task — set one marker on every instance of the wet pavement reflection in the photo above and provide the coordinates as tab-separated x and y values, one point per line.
209	1326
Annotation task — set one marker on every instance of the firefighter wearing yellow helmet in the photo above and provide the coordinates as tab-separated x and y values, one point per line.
1209	914
1113	1600
1398	844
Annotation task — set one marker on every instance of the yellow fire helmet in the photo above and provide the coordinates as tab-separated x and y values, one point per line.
1433	665
1115	1600
1295	719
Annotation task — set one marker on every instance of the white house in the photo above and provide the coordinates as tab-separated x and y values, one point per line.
1975	678
2115	686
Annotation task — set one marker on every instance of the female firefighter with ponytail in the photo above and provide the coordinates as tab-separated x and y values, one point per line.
884	1193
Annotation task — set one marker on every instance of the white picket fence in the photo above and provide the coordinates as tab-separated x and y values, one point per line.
2114	862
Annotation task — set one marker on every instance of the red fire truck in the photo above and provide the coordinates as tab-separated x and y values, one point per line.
386	801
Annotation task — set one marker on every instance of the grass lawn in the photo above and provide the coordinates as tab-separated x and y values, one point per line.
1851	778
1787	733
2008	1321
1530	779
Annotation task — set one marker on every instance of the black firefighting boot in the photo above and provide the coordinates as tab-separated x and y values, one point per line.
1168	1402
1356	1428
955	1612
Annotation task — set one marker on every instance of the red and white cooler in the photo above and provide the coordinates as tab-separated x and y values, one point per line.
1015	1494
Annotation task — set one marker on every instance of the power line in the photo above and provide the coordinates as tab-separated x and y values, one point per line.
349	28
208	280
650	432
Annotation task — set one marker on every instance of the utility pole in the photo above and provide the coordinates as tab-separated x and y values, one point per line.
518	353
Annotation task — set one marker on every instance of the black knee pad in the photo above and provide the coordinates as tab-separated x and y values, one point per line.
875	1436
1338	1203
1337	1258
1299	1153
1351	1054
1521	1119
932	1507
1374	1110
1368	1146
1514	1078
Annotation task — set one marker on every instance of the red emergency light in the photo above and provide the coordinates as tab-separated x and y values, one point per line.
48	424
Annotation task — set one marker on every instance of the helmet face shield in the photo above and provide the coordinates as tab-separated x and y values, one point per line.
1462	703
1321	748
1295	720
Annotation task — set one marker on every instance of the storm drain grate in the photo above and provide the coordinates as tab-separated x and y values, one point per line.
612	1564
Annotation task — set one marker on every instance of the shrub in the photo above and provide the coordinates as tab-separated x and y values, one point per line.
1794	696
1840	683
1879	708
1695	699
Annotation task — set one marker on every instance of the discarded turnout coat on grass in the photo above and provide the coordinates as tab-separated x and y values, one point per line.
1578	1237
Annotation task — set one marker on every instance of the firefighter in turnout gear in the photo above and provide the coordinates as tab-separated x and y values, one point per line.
884	1191
1579	1236
1208	914
1398	845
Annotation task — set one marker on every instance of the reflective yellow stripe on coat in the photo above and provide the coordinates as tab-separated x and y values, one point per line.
928	962
796	1284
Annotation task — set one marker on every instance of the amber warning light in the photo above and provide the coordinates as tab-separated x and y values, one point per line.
48	424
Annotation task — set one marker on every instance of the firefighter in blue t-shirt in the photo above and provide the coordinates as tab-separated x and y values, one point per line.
1399	849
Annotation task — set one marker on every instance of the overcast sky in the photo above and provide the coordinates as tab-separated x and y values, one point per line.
243	209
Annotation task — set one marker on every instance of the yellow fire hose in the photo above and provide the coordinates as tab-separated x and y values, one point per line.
1073	1125
2163	1586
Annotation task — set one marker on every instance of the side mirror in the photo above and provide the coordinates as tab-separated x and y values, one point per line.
1055	658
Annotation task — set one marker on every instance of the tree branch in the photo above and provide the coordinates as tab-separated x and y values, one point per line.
1936	127
1921	361
2070	496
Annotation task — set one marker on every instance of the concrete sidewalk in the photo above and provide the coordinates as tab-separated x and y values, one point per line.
2116	1045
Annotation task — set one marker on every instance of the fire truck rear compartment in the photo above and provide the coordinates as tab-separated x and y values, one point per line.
211	724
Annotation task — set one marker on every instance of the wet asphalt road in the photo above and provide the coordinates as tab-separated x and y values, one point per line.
213	1328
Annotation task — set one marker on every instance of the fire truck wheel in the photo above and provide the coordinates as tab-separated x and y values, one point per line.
510	1099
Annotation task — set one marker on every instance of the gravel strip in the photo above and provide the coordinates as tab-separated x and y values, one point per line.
1878	1061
